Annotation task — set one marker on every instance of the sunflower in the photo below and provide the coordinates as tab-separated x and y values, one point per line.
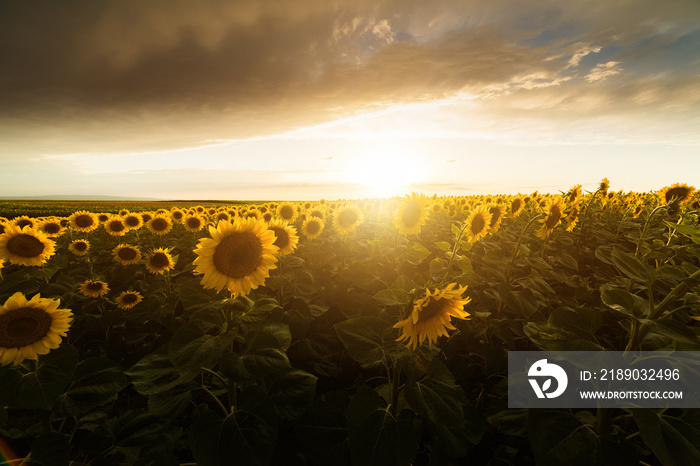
133	221
431	315
574	193
318	213
24	221
79	247
126	254
238	256
604	186
25	246
51	227
497	212
411	215
3	227
267	217
31	328
286	238
102	218
146	216
682	192
346	219
115	226
128	299
177	216
478	224
555	212
160	225
572	214
193	222
123	212
83	221
516	206
159	261
312	227
94	288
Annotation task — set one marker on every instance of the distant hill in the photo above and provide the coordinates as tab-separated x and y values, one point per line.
77	197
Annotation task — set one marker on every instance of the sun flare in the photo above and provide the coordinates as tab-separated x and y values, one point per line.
387	169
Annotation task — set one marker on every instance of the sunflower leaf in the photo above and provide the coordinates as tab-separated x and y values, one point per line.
40	388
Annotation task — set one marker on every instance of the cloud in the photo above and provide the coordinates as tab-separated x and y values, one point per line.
603	71
125	75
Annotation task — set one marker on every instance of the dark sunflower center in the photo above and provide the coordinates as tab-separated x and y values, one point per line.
193	222
95	286
313	227
347	218
52	228
495	216
146	217
680	192
553	218
317	214
267	216
177	215
132	221
127	254
84	221
24	326
23	223
80	246
159	224
116	225
103	217
411	214
238	254
25	246
431	310
129	298
515	206
282	237
478	224
159	260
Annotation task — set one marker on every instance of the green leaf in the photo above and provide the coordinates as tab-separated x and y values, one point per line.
50	449
260	310
192	295
96	381
40	388
137	428
416	253
9	378
248	436
376	437
362	337
690	231
391	297
559	438
624	302
631	266
154	373
437	397
203	436
269	334
190	349
291	390
673	329
322	430
669	444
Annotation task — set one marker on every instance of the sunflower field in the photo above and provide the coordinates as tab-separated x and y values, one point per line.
366	332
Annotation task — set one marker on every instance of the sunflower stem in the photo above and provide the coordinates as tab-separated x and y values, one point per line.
395	390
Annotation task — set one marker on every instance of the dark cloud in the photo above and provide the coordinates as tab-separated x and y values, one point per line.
116	75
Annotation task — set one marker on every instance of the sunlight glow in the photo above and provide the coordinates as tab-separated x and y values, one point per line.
386	169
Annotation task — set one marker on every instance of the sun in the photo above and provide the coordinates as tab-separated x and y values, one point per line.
385	169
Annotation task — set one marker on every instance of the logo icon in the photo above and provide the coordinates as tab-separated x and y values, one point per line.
543	369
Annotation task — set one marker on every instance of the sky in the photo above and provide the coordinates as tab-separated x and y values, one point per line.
309	99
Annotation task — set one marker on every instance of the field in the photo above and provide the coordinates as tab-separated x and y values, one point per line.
367	332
